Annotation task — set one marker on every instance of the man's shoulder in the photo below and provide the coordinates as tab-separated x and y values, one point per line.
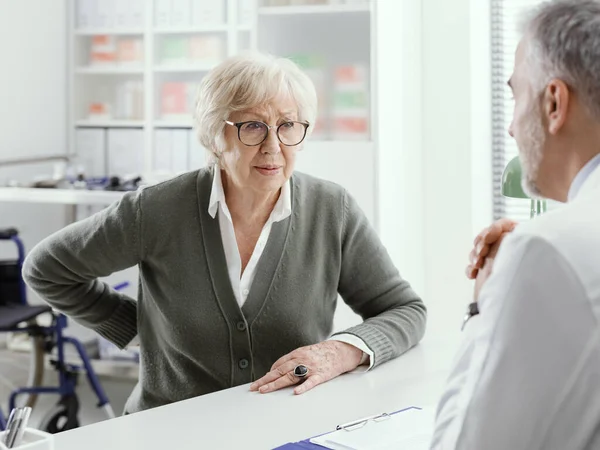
572	230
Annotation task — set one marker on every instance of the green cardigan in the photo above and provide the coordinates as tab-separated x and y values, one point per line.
194	337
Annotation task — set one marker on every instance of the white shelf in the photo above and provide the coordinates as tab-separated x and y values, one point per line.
192	30
179	68
108	70
108	31
110	123
166	123
58	196
313	9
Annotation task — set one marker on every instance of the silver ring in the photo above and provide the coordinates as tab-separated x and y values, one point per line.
300	371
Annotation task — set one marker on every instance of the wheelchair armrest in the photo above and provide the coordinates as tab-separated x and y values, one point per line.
7	233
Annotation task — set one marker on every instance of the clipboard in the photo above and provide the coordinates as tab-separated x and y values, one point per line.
306	444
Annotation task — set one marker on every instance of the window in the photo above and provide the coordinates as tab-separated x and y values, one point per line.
505	19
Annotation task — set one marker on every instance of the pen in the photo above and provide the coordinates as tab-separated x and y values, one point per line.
17	421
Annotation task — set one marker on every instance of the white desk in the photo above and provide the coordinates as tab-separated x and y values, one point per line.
58	196
236	418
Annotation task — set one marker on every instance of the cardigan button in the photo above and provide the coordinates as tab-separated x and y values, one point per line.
243	363
241	325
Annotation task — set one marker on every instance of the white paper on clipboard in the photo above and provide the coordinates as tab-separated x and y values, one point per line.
407	430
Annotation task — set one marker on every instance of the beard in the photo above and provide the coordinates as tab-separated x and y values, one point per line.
531	151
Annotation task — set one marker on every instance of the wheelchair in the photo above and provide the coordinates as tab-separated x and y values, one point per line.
17	316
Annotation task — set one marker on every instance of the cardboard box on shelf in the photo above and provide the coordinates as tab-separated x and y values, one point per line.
174	49
177	100
130	51
350	102
103	50
99	111
172	101
206	48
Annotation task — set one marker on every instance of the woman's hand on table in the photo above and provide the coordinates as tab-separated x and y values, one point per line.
324	361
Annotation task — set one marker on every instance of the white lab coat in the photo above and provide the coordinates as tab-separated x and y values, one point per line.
527	376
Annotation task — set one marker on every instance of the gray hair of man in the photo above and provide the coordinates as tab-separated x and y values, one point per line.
246	81
563	42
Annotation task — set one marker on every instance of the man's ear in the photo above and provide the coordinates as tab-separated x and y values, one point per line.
555	104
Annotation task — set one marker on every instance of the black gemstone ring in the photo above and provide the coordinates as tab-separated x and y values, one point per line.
301	371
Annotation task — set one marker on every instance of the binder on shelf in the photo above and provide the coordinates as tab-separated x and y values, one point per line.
180	13
162	151
246	9
162	13
86	13
208	12
105	13
408	429
197	157
125	152
179	151
122	14
90	145
136	13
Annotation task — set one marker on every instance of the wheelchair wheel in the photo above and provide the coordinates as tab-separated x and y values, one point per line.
62	417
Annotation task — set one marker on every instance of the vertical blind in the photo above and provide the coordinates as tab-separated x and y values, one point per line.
505	18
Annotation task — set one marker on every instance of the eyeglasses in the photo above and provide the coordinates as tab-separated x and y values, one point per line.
253	132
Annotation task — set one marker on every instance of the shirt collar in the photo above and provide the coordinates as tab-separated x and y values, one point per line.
282	209
582	176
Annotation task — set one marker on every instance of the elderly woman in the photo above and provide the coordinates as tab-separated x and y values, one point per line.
241	262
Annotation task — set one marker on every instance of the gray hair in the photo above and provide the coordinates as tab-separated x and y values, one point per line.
563	38
247	81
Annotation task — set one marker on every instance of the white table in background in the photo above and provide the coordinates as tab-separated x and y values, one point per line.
58	196
236	418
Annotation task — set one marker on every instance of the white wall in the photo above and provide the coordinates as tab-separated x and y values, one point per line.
434	145
447	182
32	111
398	130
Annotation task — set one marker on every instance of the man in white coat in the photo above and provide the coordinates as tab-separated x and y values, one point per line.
527	376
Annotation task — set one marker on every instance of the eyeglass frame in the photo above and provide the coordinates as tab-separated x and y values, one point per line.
238	125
